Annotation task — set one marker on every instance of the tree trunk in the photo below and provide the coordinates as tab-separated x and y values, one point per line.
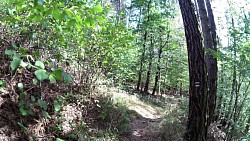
213	67
197	117
220	97
157	76
141	62
144	50
149	64
246	131
211	62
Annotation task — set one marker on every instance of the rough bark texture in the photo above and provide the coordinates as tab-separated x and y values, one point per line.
196	126
214	67
210	45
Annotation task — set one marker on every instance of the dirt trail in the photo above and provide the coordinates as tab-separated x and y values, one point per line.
147	116
142	129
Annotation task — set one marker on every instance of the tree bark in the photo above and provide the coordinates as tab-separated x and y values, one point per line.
142	61
210	45
149	64
197	117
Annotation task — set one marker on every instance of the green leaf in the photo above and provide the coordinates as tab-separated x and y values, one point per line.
78	19
69	13
58	139
22	96
21	125
58	74
89	21
1	82
52	78
20	86
41	74
34	35
46	114
57	106
32	98
16	56
34	81
23	111
29	111
22	50
42	104
40	64
100	18
71	23
56	14
9	52
97	9
59	57
67	77
15	64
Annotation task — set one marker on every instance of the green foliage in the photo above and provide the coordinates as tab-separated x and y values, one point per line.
42	104
41	74
67	77
118	119
22	126
39	64
15	64
58	139
9	52
172	126
233	86
24	107
57	106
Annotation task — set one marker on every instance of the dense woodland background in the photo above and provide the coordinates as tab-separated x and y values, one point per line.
91	69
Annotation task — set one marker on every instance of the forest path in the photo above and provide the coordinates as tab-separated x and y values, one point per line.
141	128
147	115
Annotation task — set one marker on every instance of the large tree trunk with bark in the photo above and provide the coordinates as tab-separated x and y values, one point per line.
213	71
198	99
209	35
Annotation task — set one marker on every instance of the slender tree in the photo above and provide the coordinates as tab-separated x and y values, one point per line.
144	47
151	55
158	71
197	117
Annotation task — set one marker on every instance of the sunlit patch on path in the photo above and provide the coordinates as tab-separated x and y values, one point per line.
148	115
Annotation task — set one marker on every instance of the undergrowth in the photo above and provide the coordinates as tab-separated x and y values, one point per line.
173	124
